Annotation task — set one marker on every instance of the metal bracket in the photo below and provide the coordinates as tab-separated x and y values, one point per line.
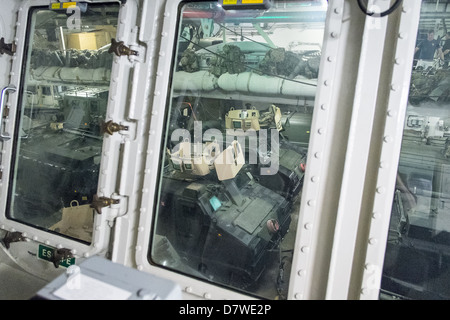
110	127
60	254
4	136
101	202
8	48
12	237
120	49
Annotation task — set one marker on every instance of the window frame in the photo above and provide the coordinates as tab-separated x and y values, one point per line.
110	149
318	155
380	216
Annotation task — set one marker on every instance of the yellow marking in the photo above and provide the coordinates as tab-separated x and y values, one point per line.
66	5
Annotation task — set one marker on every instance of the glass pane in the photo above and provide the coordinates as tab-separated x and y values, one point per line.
417	261
237	133
64	94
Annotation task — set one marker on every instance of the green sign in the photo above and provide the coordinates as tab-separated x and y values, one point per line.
46	253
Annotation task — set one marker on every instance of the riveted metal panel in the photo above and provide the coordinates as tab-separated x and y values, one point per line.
110	152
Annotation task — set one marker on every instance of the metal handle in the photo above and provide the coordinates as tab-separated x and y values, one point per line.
4	136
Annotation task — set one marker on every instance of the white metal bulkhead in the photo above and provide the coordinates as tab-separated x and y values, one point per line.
110	160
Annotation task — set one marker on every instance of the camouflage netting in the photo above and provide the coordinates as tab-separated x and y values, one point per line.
230	59
311	67
189	61
280	62
72	58
277	62
430	85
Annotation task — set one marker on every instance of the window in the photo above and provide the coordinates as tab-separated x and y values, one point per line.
417	259
58	137
239	112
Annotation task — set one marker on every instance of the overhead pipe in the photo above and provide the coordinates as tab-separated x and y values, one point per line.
250	82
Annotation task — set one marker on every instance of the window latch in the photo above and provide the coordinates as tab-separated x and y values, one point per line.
110	127
101	202
120	49
8	48
12	237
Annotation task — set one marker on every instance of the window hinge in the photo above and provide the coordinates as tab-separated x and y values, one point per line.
120	49
101	202
110	127
12	237
8	48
